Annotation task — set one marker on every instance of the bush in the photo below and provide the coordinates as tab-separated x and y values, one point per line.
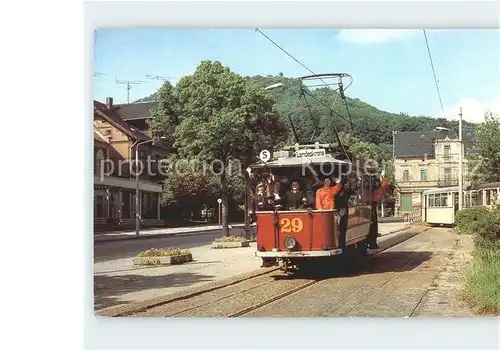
487	228
467	219
163	252
482	281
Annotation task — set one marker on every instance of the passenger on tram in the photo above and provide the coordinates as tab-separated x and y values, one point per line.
378	191
349	187
276	197
259	198
313	185
295	198
325	196
283	184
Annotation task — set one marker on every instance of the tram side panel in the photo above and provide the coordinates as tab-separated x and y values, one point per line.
358	225
314	231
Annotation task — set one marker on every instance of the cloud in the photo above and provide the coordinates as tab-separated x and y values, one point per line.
373	36
472	110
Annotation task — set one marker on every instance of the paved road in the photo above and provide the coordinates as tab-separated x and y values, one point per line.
112	250
105	251
419	277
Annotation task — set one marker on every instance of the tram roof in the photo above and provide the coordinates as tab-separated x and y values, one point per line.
441	190
489	185
300	161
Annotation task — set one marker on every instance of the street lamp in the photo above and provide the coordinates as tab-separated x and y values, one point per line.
137	203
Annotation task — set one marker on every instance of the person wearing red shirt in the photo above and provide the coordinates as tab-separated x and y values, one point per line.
326	194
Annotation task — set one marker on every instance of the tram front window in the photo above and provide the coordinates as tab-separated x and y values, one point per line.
295	198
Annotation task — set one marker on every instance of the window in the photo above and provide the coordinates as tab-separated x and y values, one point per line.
474	198
431	200
479	198
447	150
423	174
438	200
447	176
444	200
406	175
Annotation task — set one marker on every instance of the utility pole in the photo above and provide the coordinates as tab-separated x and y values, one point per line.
394	132
129	86
461	164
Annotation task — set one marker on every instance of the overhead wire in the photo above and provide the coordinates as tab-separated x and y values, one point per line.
434	72
308	69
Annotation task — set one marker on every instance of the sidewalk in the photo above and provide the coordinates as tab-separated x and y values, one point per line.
386	228
119	282
160	232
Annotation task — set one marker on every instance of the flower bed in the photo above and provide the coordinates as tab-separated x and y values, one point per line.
168	256
230	239
227	242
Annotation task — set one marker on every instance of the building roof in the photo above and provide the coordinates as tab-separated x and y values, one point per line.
112	118
414	144
98	138
141	110
421	144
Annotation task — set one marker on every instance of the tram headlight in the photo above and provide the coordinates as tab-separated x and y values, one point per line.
290	242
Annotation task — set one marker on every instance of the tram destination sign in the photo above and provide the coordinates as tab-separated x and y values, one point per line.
310	153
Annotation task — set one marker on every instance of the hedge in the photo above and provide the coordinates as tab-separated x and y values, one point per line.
466	220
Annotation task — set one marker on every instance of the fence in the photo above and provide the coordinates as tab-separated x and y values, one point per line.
414	216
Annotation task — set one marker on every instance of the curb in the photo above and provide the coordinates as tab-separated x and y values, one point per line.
398	230
388	241
164	235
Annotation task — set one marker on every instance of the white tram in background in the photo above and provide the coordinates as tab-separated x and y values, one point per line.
487	194
441	204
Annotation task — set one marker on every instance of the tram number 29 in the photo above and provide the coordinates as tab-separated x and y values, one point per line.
293	225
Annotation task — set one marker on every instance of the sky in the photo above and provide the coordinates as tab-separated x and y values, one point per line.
391	69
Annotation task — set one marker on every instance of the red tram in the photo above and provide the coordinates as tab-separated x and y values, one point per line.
297	236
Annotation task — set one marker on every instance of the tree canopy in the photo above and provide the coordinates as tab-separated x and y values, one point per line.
488	148
220	117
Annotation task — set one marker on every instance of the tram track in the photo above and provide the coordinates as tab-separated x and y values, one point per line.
273	299
248	295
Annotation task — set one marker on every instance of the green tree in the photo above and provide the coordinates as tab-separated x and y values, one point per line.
488	149
187	187
224	119
165	116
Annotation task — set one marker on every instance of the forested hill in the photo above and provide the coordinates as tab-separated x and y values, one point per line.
311	113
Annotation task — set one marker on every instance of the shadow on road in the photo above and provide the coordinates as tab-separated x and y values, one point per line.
107	289
395	261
